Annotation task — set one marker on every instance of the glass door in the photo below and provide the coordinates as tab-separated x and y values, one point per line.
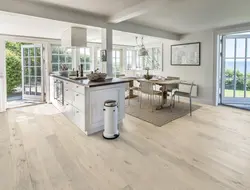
32	72
236	69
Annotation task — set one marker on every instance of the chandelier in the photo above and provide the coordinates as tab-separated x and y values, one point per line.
142	50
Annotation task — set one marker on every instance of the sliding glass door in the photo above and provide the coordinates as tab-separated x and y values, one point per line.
236	69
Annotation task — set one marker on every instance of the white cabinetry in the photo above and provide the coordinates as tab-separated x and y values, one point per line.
83	105
95	98
75	103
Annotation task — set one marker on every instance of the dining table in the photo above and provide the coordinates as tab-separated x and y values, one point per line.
165	84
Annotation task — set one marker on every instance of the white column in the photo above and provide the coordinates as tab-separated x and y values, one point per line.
47	69
107	44
3	93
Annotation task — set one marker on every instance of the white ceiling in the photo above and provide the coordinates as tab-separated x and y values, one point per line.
186	16
21	25
100	7
181	16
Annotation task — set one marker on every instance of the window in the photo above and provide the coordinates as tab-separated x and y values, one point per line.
153	60
85	59
61	56
140	62
98	58
116	61
129	59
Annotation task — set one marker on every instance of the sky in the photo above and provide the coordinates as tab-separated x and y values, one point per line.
240	54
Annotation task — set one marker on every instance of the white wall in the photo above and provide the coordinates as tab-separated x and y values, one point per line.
202	75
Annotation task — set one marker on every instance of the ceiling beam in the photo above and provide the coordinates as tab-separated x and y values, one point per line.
54	12
136	10
145	30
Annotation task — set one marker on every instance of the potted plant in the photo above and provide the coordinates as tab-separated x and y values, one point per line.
148	76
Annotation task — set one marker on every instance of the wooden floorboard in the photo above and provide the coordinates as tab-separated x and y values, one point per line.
41	150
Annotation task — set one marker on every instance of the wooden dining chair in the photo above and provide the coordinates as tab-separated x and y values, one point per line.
183	94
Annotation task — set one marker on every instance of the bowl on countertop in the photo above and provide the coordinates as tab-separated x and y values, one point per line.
97	77
64	73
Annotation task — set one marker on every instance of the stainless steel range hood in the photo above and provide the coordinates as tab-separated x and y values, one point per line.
74	37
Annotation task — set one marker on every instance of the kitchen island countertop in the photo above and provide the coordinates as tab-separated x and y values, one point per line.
88	83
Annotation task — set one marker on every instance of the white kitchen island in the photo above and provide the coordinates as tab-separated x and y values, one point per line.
81	101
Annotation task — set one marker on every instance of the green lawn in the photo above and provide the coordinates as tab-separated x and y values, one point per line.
238	93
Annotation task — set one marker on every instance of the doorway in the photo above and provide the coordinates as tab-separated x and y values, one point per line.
24	73
235	70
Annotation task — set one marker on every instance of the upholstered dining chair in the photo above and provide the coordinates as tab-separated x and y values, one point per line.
147	88
173	87
183	94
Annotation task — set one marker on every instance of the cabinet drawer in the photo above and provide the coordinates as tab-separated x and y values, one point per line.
68	95
79	119
68	85
79	101
78	88
69	111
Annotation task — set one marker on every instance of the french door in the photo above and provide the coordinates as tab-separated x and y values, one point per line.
236	69
32	72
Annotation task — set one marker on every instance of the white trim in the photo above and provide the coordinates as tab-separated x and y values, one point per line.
136	10
3	91
34	97
233	29
29	39
219	32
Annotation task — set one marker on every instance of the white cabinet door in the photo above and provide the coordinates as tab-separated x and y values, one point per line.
69	111
68	95
79	101
97	99
79	119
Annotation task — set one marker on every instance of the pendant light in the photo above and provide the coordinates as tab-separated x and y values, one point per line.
142	50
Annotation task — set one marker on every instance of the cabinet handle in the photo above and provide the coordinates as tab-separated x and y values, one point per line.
77	111
77	94
67	104
77	86
67	90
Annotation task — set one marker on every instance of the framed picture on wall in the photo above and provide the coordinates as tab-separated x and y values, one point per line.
186	54
104	55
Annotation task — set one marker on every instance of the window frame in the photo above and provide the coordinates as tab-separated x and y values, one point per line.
129	59
85	63
61	52
116	64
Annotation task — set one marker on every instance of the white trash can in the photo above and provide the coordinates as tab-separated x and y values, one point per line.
110	120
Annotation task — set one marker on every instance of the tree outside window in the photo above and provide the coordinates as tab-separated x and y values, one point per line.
61	55
85	59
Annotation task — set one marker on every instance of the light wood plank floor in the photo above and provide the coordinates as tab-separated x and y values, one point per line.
41	149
